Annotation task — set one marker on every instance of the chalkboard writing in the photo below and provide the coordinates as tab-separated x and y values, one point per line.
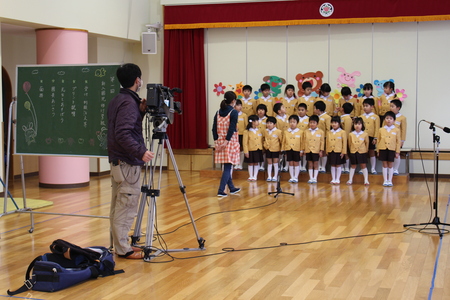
61	110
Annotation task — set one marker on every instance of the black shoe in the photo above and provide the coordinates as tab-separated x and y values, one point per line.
235	191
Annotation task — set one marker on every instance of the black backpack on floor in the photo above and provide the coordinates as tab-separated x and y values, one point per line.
67	265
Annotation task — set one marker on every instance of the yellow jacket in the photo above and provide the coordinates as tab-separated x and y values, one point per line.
249	106
385	103
273	139
389	138
346	123
314	141
282	124
242	122
309	101
337	141
290	105
252	140
293	140
400	123
358	142
371	123
324	123
303	124
330	109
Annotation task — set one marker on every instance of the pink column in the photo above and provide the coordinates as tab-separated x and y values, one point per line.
62	46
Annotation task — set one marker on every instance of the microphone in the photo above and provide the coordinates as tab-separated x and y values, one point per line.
176	90
445	129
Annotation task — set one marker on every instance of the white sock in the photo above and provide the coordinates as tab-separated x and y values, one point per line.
269	170
397	163
241	159
275	170
365	174
338	173
385	174
304	162
324	162
311	171
347	164
250	171
333	173
373	162
296	171
315	174
390	174
255	171
292	172
352	172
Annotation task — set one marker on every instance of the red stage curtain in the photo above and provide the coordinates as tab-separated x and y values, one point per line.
184	67
302	12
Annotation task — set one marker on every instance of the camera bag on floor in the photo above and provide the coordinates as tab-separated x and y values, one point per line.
67	265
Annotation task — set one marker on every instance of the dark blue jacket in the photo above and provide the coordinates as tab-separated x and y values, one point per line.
125	140
233	122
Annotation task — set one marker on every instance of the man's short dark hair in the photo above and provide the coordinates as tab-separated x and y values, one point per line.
127	74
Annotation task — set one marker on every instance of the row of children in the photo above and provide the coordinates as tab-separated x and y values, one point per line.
300	136
291	102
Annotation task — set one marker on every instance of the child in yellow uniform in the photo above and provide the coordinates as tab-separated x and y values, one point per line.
400	123
324	95
289	101
272	144
368	93
253	146
248	103
336	149
293	145
346	93
261	112
386	98
307	98
372	125
314	147
266	99
346	124
358	142
241	126
303	124
324	125
389	143
281	116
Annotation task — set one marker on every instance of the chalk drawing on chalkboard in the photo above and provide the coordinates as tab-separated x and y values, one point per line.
101	136
35	72
61	73
85	70
31	130
100	72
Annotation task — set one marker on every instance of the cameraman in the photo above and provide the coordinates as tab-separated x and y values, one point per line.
126	153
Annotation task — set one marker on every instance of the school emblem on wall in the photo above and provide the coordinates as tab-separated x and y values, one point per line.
326	9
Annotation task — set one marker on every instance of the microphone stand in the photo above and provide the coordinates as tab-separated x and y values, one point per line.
436	221
280	167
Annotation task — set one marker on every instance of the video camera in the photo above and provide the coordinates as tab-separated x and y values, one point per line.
160	101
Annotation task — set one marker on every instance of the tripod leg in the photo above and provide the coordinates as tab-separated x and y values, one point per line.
143	199
201	241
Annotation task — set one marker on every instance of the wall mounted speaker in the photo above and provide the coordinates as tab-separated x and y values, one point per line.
149	43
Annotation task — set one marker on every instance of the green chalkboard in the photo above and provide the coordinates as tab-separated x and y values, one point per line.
62	109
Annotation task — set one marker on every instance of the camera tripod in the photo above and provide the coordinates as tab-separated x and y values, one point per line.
150	192
280	167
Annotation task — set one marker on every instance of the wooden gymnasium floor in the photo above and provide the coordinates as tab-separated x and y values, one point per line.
326	242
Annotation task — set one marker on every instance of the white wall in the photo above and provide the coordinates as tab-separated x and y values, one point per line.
117	18
415	55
